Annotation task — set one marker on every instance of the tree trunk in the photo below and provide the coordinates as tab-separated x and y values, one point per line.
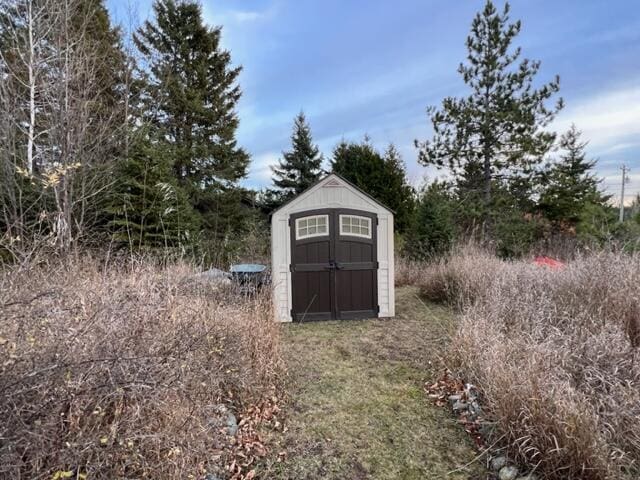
487	179
32	89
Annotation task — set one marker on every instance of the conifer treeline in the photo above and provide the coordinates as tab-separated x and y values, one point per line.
106	145
100	144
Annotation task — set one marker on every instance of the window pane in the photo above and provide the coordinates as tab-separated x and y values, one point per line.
312	229
322	221
302	231
322	228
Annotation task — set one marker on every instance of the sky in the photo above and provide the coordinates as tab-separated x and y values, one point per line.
371	67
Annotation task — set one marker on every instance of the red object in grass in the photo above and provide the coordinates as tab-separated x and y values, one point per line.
549	262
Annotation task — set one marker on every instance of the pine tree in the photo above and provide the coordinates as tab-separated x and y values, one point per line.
495	135
300	167
192	99
382	177
432	229
148	207
399	194
568	184
105	42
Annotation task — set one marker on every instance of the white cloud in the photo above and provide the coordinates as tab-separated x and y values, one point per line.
216	16
610	121
248	16
260	170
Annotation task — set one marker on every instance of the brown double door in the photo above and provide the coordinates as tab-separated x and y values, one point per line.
333	265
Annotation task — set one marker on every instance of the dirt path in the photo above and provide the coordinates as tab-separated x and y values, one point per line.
358	409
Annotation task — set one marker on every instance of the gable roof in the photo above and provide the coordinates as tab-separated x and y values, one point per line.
331	179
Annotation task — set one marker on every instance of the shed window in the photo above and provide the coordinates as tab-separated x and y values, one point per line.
355	226
314	226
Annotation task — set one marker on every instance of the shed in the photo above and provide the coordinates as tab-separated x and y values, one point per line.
332	255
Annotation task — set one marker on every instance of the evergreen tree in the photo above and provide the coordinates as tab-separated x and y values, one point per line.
382	177
495	135
399	194
568	184
105	42
62	90
148	207
432	229
192	98
299	168
635	209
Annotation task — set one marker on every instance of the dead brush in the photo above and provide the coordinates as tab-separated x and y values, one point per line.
555	354
117	372
460	279
408	272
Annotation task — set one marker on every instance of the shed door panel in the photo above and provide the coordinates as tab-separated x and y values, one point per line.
334	269
312	299
356	264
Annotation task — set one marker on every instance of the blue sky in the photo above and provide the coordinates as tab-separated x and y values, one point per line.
372	67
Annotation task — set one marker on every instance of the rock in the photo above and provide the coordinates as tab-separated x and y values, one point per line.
508	473
212	476
214	274
459	405
474	409
531	476
454	398
232	424
228	419
471	391
498	462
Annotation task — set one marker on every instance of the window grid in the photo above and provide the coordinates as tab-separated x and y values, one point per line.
355	226
314	226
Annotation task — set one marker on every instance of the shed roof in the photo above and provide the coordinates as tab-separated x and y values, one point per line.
325	181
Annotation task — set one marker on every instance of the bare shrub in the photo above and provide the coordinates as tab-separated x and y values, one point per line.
555	354
462	278
408	272
120	372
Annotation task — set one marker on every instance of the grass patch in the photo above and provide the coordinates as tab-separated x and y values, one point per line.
357	407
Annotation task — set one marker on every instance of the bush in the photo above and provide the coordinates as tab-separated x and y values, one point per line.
119	372
460	279
555	354
408	272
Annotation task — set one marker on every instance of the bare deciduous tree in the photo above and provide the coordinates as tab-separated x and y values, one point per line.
62	117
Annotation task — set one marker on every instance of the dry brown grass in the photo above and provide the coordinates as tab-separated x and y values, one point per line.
460	279
408	272
555	354
117	372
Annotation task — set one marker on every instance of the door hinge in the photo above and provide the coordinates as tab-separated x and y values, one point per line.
377	221
292	314
291	222
377	309
292	268
377	265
